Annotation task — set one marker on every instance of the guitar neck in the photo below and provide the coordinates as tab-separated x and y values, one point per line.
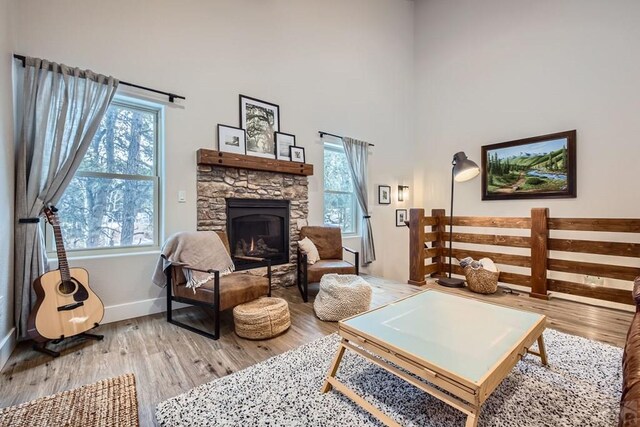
63	264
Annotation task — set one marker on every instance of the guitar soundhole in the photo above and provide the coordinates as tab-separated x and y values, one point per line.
67	287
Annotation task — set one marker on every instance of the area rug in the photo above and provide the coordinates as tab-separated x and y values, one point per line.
581	387
110	402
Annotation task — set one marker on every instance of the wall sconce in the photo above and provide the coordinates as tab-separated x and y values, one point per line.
403	193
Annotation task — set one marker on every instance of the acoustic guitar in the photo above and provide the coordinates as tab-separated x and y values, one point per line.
65	304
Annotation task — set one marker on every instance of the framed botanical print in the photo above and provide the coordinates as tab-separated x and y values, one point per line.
384	194
297	154
260	120
283	142
401	217
533	168
231	139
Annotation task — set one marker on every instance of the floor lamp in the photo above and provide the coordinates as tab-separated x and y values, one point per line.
463	170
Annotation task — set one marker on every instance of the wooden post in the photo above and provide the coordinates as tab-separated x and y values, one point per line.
416	247
439	227
539	252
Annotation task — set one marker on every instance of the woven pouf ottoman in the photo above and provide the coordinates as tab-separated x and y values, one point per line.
262	318
341	296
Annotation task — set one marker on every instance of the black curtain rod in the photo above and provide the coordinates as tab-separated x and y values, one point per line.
323	133
172	96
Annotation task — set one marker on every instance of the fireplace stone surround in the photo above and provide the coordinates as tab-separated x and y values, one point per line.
216	184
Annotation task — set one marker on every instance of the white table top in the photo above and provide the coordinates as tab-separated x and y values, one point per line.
460	335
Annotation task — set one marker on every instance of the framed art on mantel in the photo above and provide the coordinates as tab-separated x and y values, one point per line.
231	139
260	119
297	154
283	142
533	168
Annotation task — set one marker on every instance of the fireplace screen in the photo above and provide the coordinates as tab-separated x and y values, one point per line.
258	228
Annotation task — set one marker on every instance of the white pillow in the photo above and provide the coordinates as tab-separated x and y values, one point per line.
310	249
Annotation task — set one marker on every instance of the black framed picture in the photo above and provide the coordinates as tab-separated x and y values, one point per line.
384	194
231	139
296	154
401	217
532	168
283	142
260	120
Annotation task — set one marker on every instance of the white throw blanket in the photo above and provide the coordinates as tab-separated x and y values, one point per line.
486	263
201	250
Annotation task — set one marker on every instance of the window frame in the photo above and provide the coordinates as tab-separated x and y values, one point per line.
141	105
338	147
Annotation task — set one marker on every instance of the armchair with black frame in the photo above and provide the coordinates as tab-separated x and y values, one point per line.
328	241
220	294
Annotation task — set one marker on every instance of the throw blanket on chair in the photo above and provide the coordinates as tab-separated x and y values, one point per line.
200	250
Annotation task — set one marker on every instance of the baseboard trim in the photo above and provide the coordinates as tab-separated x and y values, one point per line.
7	345
130	310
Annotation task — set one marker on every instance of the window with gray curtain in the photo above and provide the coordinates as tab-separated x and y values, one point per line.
61	111
340	203
113	199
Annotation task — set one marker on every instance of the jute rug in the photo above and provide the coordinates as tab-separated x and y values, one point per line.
581	387
110	402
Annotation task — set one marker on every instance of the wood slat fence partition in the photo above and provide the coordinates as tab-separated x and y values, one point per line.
431	261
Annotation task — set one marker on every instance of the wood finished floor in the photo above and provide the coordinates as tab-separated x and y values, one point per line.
168	360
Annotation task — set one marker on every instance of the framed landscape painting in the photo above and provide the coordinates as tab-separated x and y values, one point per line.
260	119
532	168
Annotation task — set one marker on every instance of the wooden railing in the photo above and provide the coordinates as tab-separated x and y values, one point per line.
432	261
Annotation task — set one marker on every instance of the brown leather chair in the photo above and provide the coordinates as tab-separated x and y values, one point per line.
328	240
630	401
222	293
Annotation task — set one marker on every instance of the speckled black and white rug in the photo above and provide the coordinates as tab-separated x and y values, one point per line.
581	387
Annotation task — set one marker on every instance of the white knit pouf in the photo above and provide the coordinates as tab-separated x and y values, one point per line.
341	296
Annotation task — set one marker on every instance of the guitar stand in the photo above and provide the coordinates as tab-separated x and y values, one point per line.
42	347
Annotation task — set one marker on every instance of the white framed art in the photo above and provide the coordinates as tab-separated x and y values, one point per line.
283	142
231	139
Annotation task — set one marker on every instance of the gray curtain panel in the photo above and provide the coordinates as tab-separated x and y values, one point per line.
61	110
358	155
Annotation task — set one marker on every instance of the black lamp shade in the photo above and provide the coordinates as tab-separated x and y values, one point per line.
464	169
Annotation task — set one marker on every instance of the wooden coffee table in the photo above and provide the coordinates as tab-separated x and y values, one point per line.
458	344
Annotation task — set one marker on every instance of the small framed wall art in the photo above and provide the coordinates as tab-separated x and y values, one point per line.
384	194
261	120
231	139
283	142
296	154
401	217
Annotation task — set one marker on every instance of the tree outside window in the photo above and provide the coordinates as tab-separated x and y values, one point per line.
340	203
112	201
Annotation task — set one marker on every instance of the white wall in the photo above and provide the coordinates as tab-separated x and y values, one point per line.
6	185
343	67
500	70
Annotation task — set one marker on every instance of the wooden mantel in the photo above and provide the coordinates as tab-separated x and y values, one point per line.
229	160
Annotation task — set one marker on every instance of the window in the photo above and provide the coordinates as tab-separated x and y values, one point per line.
340	203
112	201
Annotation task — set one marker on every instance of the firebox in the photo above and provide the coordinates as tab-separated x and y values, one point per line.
258	228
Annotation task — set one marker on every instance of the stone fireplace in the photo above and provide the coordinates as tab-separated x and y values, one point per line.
258	228
269	207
